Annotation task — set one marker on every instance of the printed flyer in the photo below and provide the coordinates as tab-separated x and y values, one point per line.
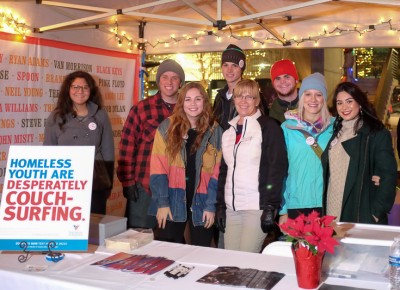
46	198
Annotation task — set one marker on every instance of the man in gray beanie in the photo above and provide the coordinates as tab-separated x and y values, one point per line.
170	65
137	142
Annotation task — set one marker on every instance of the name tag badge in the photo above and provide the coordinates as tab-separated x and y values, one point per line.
310	140
92	126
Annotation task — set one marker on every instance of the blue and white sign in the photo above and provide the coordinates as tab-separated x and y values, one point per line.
46	198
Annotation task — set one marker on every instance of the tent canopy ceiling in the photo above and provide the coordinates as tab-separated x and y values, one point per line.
167	26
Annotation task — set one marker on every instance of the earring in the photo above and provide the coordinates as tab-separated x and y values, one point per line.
361	111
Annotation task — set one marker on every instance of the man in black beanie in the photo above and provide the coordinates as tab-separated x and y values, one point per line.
233	65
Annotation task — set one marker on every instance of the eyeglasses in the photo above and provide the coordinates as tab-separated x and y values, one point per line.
77	88
246	98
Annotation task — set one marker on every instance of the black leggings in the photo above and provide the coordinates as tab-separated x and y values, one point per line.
174	232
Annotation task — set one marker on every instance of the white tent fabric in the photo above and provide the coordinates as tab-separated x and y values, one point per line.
171	26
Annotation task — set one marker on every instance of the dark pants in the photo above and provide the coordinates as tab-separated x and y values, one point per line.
136	211
174	232
99	201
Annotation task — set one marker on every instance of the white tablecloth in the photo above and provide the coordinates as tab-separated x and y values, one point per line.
76	272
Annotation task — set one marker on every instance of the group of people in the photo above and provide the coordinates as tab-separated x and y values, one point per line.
186	164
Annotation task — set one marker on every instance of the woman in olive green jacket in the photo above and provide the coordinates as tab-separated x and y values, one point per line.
360	169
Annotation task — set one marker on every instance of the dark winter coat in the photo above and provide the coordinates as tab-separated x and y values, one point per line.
370	154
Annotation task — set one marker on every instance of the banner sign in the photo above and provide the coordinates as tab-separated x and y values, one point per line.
46	198
31	73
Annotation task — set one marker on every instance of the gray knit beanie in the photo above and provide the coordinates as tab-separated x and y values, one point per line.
170	65
314	81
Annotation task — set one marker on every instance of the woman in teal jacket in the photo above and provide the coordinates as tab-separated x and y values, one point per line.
184	169
307	132
360	151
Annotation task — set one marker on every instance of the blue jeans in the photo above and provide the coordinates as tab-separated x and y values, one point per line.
136	211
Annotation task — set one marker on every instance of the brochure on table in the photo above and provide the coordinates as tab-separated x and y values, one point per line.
46	198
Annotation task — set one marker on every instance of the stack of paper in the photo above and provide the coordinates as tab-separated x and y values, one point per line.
130	239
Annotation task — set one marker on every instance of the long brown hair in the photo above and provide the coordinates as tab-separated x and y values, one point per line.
180	124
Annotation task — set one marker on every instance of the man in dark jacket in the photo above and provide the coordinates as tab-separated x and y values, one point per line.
233	64
284	79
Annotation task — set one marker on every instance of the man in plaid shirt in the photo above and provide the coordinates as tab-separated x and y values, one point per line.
137	141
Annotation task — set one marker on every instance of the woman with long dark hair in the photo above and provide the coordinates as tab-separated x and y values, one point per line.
360	169
79	120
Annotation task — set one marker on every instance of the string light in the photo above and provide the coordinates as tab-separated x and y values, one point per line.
315	38
337	31
120	37
12	24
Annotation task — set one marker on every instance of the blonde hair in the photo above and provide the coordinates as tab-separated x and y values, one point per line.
248	86
325	116
180	124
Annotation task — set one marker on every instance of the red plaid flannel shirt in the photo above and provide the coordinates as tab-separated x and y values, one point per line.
137	140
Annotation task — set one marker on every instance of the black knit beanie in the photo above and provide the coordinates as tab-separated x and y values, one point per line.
234	54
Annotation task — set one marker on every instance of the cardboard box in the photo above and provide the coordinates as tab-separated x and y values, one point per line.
104	226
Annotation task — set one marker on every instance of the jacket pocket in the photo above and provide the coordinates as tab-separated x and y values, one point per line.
209	158
149	130
198	206
177	201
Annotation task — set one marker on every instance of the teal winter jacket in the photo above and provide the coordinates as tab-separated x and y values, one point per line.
304	184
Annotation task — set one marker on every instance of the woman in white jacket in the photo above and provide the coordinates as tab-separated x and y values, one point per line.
252	172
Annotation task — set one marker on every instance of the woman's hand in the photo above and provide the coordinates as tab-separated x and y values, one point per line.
208	219
283	219
375	179
162	214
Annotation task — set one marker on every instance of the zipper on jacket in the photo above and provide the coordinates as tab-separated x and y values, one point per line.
235	149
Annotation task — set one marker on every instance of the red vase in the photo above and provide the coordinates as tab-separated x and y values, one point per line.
308	267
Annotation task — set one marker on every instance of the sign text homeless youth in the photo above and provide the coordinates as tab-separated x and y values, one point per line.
38	190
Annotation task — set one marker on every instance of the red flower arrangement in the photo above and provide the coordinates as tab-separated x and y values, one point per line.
312	232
